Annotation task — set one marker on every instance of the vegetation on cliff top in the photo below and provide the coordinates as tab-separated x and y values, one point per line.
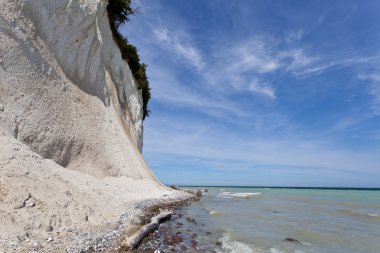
119	12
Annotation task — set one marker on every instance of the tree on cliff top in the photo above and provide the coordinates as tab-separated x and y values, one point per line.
118	13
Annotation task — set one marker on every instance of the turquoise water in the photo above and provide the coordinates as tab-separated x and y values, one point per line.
259	220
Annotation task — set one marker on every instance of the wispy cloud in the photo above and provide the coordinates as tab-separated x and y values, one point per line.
262	55
168	89
320	65
262	88
180	46
295	60
293	36
374	78
234	67
246	64
243	66
253	55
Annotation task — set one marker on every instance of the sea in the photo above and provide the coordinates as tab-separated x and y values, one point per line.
278	220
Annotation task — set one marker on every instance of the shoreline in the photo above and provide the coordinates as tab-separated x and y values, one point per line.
111	239
181	233
152	209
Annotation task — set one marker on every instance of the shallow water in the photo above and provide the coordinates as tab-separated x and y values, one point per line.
259	220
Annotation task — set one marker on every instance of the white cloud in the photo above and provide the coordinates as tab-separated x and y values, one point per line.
296	60
374	78
233	65
237	65
241	67
263	89
232	68
253	55
293	36
180	45
169	90
320	65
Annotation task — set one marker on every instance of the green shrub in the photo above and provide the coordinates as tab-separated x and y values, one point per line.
142	80
118	13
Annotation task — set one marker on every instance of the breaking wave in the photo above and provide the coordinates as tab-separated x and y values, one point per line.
239	194
234	246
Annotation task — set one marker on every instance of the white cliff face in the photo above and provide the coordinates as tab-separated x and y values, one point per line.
78	34
77	102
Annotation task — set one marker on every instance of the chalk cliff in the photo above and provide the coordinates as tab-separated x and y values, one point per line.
70	123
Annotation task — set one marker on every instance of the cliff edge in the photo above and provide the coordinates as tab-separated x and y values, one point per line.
70	125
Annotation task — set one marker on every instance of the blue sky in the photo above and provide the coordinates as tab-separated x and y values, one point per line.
276	93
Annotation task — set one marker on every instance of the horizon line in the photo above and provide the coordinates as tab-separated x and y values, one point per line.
284	187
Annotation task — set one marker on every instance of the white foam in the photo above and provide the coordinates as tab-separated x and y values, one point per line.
274	250
234	246
239	194
226	197
214	212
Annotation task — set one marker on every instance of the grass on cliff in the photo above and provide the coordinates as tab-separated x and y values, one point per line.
119	12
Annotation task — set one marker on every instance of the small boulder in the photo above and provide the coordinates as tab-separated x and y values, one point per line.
183	248
30	202
174	187
289	239
49	228
191	220
36	245
177	238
